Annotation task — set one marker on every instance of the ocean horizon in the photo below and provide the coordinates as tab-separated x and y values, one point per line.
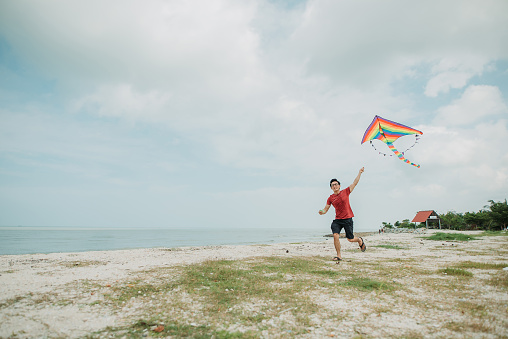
16	240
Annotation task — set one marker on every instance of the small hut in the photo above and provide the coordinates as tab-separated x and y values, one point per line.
426	217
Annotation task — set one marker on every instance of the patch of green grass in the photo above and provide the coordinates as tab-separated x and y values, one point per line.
187	331
400	260
476	310
471	325
10	301
146	328
366	284
222	284
394	247
480	265
411	334
327	273
136	289
499	280
440	236
458	272
289	265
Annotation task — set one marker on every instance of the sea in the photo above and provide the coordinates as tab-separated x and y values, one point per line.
32	240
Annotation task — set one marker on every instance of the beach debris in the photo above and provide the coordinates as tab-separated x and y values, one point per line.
505	269
158	329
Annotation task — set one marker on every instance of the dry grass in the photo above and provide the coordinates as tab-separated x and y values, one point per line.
274	296
409	296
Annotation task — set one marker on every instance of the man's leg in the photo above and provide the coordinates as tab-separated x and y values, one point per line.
351	237
336	242
356	239
360	242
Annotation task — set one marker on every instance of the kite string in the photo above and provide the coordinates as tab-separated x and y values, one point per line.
417	137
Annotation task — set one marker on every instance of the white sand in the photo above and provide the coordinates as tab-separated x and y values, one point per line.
29	283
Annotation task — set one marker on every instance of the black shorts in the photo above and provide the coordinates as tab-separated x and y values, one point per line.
347	224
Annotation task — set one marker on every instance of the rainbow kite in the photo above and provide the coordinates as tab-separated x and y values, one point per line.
388	131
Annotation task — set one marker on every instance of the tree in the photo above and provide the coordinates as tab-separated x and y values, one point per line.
406	223
387	225
452	220
499	213
481	220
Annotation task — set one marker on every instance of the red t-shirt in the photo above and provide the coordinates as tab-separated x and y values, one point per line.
341	204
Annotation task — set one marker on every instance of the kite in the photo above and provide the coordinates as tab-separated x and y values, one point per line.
388	131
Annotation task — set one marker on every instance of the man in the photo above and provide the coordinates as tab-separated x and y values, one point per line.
343	214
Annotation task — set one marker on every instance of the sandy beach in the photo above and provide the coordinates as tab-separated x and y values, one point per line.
402	286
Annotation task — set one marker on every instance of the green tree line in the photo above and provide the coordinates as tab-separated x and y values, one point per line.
493	217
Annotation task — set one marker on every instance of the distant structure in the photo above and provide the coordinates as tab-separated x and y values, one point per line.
426	216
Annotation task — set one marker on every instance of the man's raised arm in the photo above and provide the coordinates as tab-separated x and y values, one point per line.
353	185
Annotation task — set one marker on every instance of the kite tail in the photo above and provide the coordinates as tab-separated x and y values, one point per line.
400	155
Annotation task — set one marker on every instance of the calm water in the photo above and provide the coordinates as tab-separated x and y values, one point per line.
29	240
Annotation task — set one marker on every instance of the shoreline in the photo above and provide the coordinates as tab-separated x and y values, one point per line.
326	236
51	240
33	284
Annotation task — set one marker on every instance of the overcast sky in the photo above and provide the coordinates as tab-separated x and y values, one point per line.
219	113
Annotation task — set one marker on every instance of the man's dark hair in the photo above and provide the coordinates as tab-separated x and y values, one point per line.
333	181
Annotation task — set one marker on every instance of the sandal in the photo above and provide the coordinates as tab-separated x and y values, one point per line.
362	246
337	259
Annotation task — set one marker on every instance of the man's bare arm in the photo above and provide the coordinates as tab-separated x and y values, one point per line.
357	179
324	210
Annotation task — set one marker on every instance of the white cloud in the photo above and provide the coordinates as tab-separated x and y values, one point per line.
475	104
470	164
87	150
489	177
446	147
123	101
153	44
277	93
446	80
370	42
454	73
432	189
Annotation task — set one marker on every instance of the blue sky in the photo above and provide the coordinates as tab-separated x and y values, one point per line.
237	114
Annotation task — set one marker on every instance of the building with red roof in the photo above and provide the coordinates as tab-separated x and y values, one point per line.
426	217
